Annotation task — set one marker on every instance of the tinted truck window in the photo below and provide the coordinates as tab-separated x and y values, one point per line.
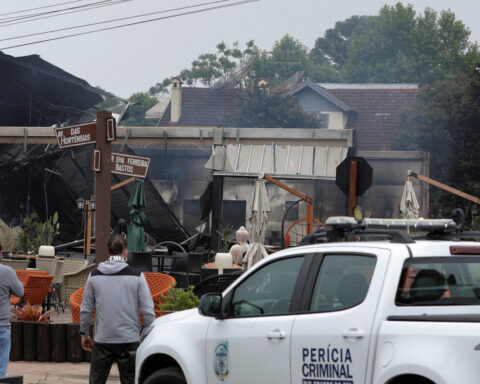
342	282
440	281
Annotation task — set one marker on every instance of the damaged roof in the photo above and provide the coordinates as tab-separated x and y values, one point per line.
45	179
34	92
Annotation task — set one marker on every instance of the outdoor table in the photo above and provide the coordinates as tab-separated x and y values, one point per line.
209	269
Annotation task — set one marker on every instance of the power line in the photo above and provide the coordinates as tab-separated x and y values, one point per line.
46	6
20	17
113	20
34	17
131	24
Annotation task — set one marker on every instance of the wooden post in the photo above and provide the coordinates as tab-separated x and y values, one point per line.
352	196
88	207
217	211
102	189
309	219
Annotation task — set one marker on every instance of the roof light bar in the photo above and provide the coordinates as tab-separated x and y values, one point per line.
410	224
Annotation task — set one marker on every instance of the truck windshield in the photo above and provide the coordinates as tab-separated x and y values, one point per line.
440	281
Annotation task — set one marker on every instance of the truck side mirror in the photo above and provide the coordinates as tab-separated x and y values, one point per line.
211	305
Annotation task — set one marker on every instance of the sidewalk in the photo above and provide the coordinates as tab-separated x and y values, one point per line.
55	373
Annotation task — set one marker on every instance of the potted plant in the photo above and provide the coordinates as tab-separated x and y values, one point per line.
177	300
36	333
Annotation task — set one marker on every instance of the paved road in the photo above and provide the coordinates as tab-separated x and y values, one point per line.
55	373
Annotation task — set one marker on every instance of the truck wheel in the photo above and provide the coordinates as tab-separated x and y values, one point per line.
171	375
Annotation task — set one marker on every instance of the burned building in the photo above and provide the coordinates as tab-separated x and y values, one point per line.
356	118
35	174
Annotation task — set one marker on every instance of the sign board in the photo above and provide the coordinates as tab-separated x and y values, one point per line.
130	165
364	178
76	135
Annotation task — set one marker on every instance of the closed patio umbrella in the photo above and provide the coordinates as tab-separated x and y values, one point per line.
136	231
409	203
258	225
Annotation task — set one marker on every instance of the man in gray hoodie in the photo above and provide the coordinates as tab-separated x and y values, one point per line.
117	291
9	284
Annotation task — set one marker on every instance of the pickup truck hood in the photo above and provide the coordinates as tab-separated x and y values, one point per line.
175	316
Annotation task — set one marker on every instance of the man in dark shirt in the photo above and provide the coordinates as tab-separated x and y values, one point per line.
9	284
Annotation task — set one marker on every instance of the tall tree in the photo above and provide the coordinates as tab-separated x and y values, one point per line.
332	47
211	67
399	46
444	121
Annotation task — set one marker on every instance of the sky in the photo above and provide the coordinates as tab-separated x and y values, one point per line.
132	59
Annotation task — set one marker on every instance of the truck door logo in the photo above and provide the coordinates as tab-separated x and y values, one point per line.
221	361
326	366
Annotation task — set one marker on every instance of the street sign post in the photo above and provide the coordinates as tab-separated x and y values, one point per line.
76	135
354	176
130	165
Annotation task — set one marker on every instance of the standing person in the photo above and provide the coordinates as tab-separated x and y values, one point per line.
9	284
117	291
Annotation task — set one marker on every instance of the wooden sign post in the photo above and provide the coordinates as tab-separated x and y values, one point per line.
102	185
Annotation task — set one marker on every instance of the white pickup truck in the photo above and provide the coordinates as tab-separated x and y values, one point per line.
402	311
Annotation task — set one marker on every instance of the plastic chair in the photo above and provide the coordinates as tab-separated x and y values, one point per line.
74	281
159	283
185	266
75	303
141	261
68	266
36	289
24	275
46	264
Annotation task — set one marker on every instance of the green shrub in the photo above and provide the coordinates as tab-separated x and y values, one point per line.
177	300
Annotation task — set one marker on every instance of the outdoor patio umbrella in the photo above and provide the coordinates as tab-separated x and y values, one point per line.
136	231
258	225
409	203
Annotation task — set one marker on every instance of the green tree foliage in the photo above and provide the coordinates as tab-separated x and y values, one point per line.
400	46
35	233
332	47
211	67
263	109
141	102
444	121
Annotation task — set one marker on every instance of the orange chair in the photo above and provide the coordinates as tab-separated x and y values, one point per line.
75	302
24	274
36	289
159	283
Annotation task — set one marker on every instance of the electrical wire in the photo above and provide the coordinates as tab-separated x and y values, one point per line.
131	24
111	21
46	6
66	11
20	17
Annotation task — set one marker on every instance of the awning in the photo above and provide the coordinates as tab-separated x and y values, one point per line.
277	160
